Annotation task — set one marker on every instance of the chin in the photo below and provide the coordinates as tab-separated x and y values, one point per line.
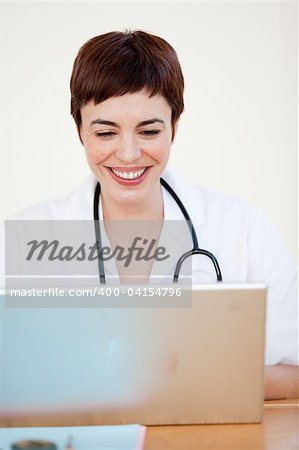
130	198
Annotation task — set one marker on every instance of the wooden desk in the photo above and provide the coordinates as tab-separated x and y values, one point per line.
278	431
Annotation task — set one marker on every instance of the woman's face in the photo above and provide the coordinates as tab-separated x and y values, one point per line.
127	140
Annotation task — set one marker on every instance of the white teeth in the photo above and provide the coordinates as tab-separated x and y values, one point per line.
129	175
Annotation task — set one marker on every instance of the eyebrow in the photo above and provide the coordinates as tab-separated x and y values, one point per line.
114	124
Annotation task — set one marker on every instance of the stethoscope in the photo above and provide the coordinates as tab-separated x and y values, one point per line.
195	250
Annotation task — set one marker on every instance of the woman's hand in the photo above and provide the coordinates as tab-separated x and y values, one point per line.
281	381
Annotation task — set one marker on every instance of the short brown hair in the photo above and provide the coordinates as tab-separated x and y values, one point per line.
117	63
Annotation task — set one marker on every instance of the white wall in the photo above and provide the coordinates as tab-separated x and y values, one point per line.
238	133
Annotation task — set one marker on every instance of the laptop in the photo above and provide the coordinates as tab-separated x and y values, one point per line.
197	362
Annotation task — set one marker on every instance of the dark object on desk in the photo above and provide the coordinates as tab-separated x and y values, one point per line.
33	445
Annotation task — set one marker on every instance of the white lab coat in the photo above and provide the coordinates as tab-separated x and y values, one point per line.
245	243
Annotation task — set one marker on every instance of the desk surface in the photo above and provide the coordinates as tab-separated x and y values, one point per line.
278	431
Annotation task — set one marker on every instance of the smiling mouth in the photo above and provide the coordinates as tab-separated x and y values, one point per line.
128	174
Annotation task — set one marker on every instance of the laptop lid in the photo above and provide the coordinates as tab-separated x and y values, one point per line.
200	362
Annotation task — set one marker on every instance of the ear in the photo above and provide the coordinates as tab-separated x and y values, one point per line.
174	130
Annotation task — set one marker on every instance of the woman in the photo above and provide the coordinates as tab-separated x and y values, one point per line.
126	100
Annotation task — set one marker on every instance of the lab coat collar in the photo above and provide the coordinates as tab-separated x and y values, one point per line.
192	197
79	205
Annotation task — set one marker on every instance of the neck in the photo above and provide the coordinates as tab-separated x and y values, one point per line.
149	209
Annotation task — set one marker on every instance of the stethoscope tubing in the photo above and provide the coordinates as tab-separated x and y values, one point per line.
97	230
195	250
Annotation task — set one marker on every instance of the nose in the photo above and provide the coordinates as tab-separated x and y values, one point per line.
127	149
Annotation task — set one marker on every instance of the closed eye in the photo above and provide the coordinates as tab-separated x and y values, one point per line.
105	134
150	133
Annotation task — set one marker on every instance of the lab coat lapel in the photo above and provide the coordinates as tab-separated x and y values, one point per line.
175	233
194	203
79	205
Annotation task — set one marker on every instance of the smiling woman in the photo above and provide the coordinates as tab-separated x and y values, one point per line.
126	100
